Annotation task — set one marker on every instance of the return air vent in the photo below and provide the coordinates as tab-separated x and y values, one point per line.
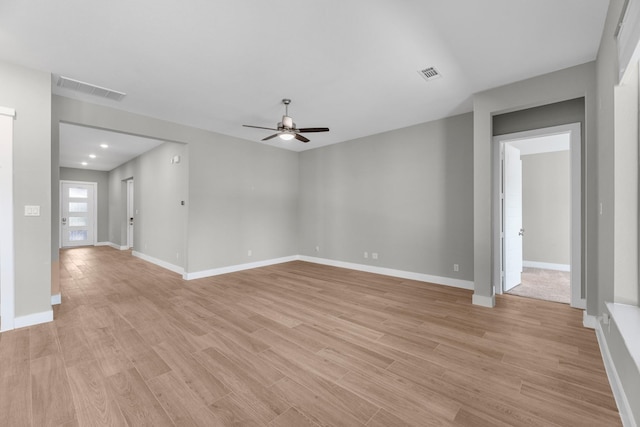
90	89
430	74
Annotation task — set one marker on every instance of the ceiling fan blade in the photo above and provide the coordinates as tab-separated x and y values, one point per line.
258	127
269	137
301	138
304	130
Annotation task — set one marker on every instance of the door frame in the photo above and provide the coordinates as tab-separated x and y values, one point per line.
505	213
130	212
7	257
95	208
576	205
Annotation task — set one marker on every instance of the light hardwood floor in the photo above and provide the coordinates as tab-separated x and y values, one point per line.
295	344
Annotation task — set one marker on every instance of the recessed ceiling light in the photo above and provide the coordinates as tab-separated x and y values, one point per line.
104	145
93	156
84	163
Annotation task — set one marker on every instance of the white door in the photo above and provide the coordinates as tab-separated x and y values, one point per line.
77	219
130	216
512	219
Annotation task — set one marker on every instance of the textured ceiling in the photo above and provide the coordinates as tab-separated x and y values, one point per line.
348	65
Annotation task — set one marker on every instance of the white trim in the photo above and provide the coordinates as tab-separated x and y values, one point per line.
95	208
627	320
56	299
158	262
238	267
626	415
7	254
484	301
438	280
130	212
113	245
547	265
574	130
589	321
5	111
33	319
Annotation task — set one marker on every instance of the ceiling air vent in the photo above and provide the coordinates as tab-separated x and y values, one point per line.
430	74
90	89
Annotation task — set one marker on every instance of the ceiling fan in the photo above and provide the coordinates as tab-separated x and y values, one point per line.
286	129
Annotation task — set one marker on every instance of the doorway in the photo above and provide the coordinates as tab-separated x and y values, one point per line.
78	208
563	142
130	214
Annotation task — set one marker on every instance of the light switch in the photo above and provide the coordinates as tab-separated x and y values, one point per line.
31	210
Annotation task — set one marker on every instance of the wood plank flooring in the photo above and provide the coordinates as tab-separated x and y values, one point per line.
295	344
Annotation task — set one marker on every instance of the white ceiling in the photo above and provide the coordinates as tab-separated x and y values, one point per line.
348	65
77	143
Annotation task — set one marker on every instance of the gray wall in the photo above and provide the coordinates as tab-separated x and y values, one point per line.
29	93
405	194
102	178
242	195
159	218
563	85
555	114
546	203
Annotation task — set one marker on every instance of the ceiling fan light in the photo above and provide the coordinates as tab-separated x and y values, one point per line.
286	136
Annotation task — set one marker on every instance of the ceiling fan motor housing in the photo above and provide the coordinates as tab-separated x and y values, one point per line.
287	122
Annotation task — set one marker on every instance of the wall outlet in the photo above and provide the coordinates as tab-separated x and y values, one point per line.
374	255
249	252
317	248
456	267
366	254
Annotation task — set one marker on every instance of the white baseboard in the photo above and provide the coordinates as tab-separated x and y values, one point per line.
33	319
546	265
237	267
447	281
113	245
159	262
483	301
626	415
56	299
589	321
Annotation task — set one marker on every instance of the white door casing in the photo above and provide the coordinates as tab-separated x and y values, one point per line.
78	213
512	220
130	214
578	300
7	272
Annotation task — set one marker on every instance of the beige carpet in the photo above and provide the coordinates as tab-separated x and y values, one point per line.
548	285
